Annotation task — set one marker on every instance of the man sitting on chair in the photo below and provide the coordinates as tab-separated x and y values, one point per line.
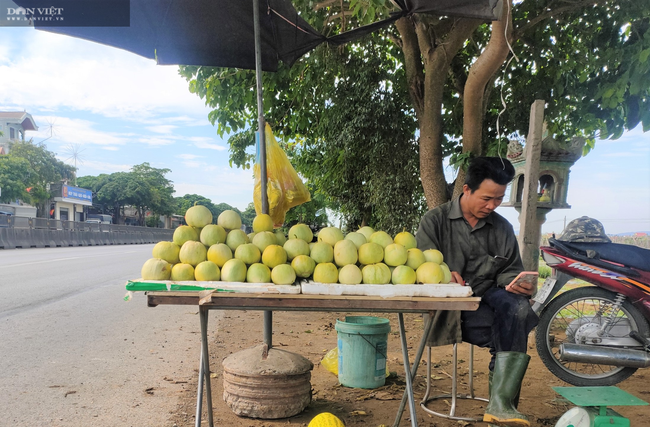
481	250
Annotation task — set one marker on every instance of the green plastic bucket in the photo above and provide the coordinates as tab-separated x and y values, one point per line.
362	345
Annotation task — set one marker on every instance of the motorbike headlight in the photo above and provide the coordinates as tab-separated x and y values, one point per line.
551	260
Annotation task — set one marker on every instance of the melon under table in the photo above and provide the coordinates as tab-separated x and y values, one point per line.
210	300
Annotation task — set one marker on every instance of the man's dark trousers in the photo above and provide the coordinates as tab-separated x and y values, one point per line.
502	322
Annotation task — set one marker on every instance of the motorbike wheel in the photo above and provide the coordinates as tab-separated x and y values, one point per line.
552	331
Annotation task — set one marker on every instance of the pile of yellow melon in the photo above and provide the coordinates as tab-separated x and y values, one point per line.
204	251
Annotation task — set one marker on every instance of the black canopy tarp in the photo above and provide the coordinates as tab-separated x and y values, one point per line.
220	32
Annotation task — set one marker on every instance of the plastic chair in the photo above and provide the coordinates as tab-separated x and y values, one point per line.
454	395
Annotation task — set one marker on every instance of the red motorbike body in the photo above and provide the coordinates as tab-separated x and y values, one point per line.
635	285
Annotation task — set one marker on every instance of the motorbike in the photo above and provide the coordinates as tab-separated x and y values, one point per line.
598	334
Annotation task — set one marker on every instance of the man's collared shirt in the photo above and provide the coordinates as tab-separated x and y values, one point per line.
485	256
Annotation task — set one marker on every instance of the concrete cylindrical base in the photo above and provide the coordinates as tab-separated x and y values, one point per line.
267	385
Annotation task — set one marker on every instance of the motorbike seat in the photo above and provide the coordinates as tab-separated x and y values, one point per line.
627	255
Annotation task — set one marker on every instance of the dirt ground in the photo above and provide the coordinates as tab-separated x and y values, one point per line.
312	335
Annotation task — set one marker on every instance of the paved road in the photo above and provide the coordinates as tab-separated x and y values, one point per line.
74	353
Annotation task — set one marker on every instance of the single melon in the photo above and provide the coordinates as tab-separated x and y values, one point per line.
262	222
301	231
415	258
433	255
212	234
249	253
235	238
156	269
283	274
446	272
395	254
234	270
251	236
382	238
358	238
367	232
264	239
371	253
167	251
345	252
192	253
182	272
330	235
207	271
378	274
295	247
258	273
303	265
274	255
406	239
326	273
326	419
322	252
229	219
198	216
219	254
350	275
430	272
403	275
184	233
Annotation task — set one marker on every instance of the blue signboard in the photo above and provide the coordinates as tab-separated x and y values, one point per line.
70	192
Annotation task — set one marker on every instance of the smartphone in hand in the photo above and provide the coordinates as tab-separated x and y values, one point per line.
525	283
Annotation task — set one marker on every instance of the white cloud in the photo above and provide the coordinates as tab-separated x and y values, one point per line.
188	156
202	142
65	130
161	128
92	77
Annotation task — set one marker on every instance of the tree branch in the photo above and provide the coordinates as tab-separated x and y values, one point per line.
550	13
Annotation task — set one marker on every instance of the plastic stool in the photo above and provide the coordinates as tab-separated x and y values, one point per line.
454	395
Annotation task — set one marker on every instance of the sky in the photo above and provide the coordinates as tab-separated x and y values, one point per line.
118	110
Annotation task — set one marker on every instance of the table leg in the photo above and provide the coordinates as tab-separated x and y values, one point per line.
407	371
199	394
205	367
414	369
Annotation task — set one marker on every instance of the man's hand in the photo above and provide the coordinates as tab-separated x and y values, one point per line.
456	278
521	288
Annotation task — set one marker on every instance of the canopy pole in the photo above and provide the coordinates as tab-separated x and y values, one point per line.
268	315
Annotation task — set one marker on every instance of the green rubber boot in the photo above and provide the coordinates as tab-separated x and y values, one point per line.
509	370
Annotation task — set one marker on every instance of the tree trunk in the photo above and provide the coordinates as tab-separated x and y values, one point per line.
427	60
480	74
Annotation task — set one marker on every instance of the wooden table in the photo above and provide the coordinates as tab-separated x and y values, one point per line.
209	300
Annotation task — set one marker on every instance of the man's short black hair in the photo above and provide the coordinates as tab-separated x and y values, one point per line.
497	169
